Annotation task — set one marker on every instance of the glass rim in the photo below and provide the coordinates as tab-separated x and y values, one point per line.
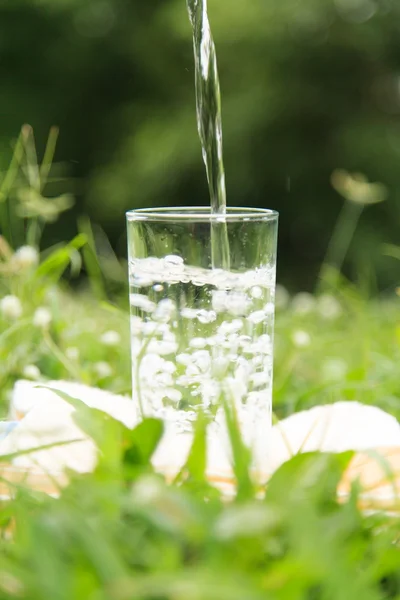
201	214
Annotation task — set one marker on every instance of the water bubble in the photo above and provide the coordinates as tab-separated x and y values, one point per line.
168	367
260	379
192	371
220	366
257	317
202	360
149	328
173	394
173	260
269	308
237	303
198	343
189	313
257	361
244	340
256	292
237	325
142	302
164	310
206	316
184	359
219	300
142	281
161	347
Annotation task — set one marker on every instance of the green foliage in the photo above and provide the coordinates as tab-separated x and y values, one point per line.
307	87
117	535
122	533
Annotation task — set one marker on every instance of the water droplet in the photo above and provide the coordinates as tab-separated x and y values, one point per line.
256	292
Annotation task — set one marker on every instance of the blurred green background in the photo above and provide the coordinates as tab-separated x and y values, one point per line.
308	86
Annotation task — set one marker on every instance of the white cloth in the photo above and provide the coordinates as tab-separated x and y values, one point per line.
48	419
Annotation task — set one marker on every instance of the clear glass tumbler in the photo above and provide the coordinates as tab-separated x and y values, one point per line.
202	335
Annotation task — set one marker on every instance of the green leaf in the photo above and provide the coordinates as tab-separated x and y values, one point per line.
104	430
91	259
312	476
240	452
143	441
54	266
194	470
196	464
6	458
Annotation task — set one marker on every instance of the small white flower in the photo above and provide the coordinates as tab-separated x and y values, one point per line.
329	307
103	369
31	372
147	490
42	317
303	303
11	307
334	369
111	338
301	339
26	257
282	297
72	353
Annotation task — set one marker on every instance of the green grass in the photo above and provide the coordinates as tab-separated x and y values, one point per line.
121	533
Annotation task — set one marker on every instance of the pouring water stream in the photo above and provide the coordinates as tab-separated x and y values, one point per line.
209	123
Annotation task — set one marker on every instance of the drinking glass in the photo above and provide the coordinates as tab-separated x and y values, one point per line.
202	289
